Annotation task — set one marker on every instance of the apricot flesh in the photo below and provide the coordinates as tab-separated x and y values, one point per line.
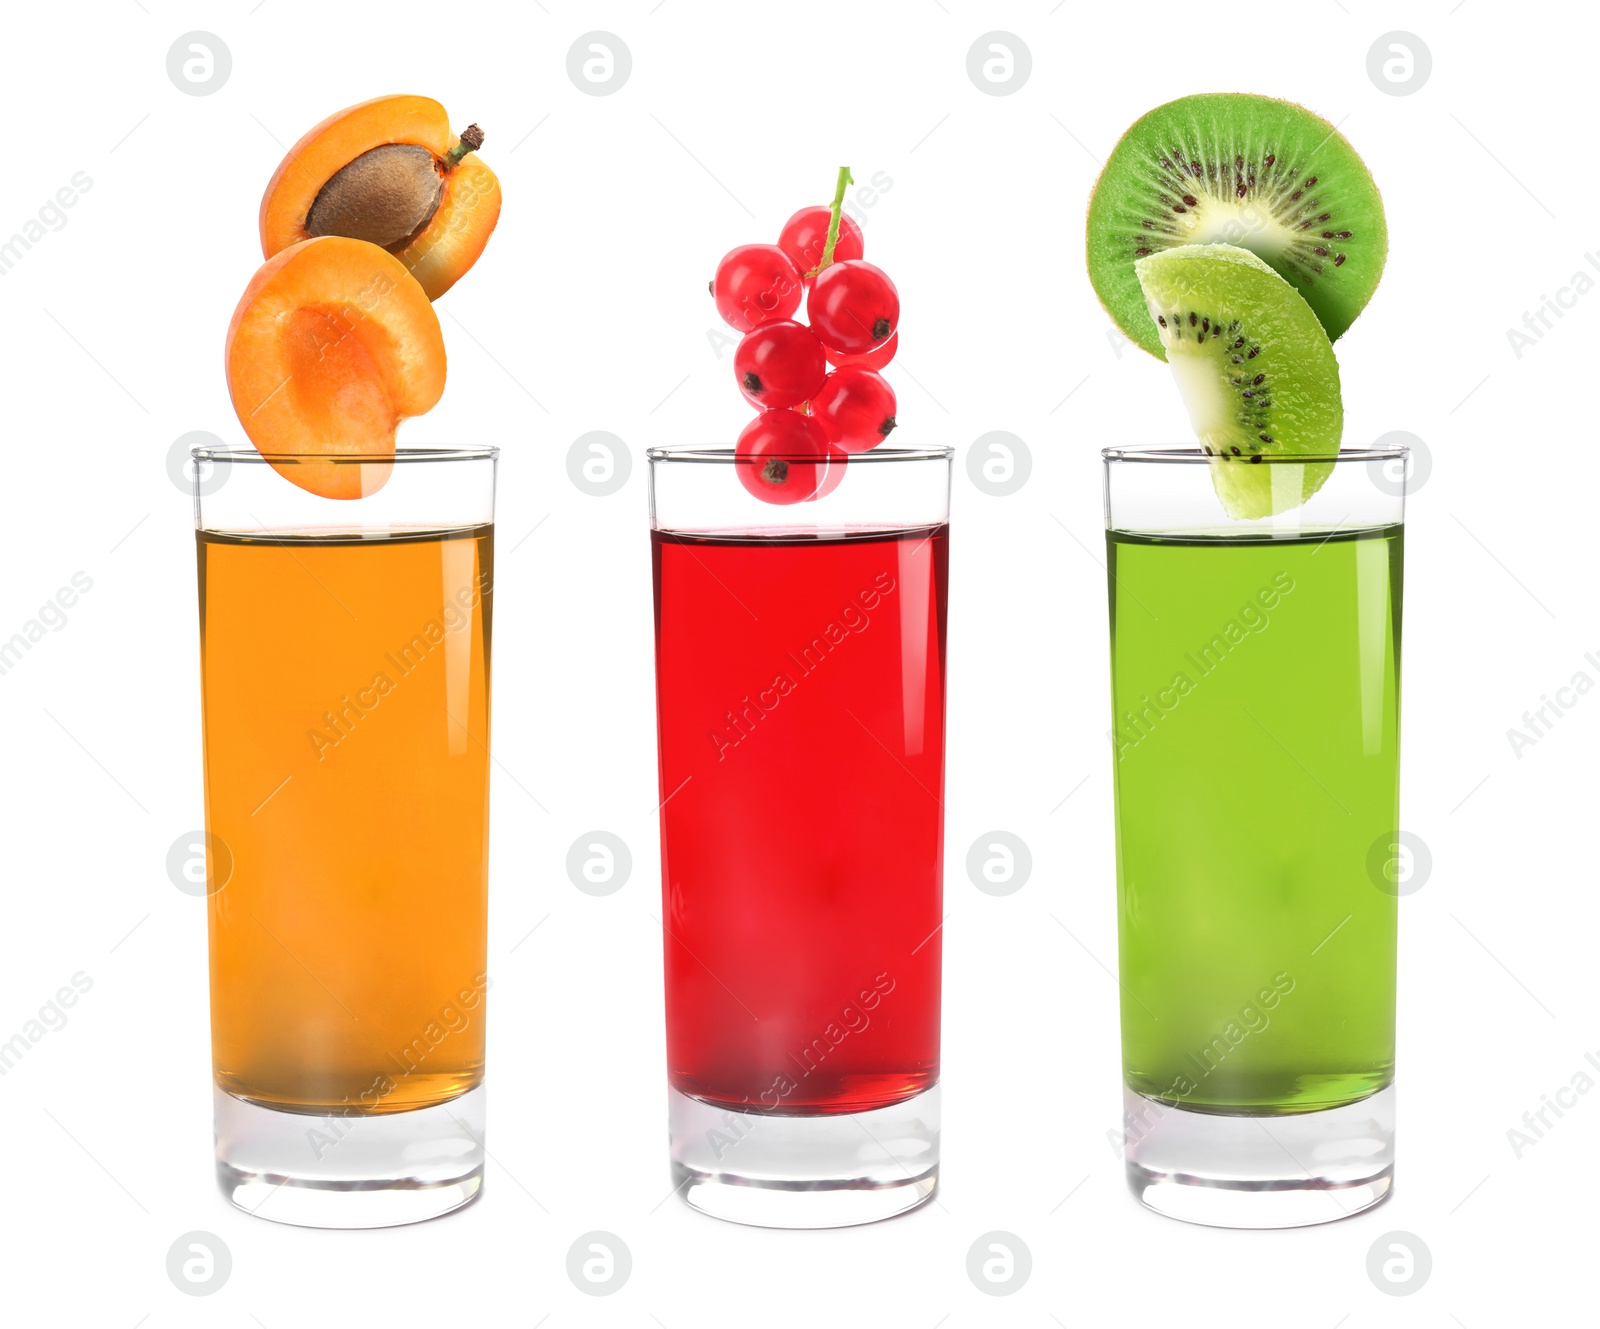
331	346
392	172
455	236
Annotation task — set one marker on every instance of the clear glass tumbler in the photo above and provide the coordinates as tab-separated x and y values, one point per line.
344	647
800	683
1255	674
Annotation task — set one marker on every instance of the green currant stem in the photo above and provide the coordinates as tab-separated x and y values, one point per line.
845	181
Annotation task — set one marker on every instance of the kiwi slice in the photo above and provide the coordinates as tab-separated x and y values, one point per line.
1238	169
1255	369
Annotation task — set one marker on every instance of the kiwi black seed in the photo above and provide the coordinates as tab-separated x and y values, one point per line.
1253	409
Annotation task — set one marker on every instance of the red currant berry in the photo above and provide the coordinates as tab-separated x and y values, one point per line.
838	459
853	307
805	236
755	283
782	456
779	364
873	359
855	408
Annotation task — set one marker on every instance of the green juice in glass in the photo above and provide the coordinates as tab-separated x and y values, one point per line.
1255	694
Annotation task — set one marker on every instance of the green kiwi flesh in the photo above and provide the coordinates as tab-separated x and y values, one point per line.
1255	369
1239	169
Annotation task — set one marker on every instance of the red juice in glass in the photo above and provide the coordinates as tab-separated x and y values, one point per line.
800	683
800	686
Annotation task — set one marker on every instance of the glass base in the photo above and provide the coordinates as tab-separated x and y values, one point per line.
805	1172
1260	1172
350	1172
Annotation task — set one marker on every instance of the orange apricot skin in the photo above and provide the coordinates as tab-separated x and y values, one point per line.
330	347
468	210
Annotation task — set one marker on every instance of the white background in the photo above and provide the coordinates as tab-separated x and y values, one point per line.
589	311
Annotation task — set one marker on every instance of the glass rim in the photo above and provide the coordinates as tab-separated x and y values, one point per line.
252	456
1189	456
726	456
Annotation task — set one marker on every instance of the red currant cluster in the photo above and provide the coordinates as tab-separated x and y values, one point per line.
810	419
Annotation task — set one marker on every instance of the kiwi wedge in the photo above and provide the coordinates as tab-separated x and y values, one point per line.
1255	369
1239	169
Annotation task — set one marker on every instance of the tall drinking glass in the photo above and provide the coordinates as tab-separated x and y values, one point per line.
1255	674
800	683
345	690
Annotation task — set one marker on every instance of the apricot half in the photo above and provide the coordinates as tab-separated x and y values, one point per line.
332	345
388	171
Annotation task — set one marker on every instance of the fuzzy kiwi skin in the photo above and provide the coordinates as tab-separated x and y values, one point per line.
1267	374
1140	204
